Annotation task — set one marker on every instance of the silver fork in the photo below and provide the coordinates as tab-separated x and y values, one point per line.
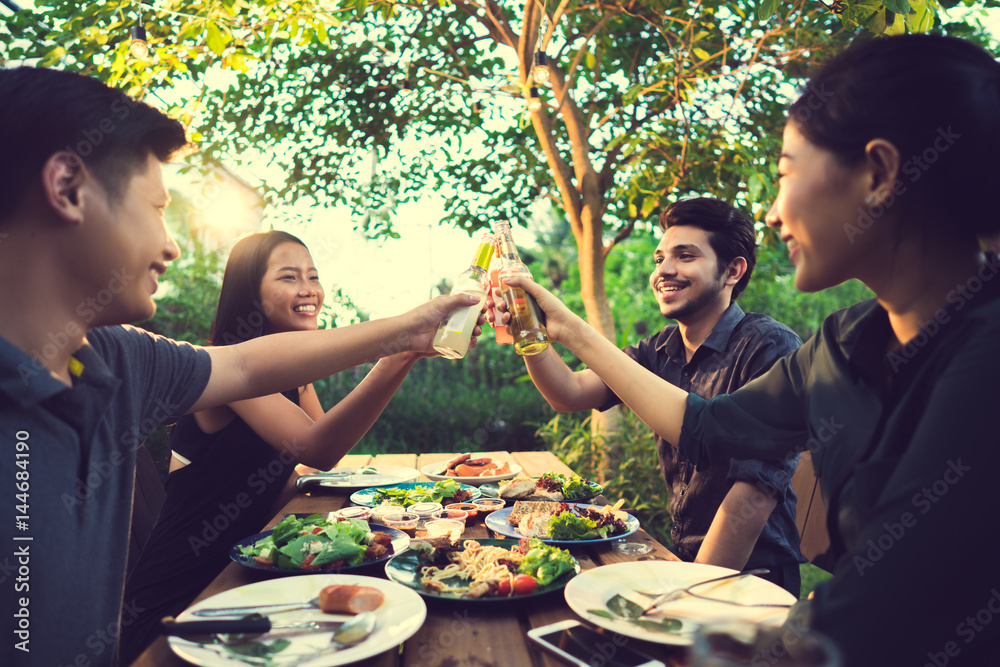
676	594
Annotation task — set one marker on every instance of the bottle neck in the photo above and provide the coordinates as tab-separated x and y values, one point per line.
506	249
484	255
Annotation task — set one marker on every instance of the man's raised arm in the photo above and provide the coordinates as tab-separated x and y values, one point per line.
659	404
279	362
566	390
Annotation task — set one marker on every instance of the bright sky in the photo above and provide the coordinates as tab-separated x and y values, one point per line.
388	276
383	277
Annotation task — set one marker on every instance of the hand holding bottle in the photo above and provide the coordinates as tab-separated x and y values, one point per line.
420	324
562	324
525	324
455	334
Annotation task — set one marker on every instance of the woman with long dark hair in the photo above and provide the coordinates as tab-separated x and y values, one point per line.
887	172
230	464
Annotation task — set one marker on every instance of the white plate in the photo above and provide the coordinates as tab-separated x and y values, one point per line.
399	617
346	478
429	469
592	590
497	522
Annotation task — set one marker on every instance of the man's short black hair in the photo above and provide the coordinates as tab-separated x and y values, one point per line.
45	111
731	232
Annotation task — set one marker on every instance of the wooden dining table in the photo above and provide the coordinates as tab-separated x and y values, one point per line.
456	633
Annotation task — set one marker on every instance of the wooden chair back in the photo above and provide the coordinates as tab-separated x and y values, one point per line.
810	510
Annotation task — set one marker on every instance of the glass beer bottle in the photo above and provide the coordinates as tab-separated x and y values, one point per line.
502	336
455	332
525	324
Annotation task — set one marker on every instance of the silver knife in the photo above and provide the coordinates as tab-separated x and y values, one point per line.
256	624
345	479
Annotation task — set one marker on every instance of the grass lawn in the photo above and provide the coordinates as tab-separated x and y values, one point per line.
812	576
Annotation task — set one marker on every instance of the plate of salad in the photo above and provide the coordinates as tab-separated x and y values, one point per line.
550	486
446	491
488	570
316	544
572	523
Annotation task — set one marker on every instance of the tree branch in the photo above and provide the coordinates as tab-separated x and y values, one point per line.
622	234
494	21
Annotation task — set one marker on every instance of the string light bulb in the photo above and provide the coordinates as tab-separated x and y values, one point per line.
534	101
541	71
138	45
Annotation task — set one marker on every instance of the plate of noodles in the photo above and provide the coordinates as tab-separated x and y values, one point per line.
485	570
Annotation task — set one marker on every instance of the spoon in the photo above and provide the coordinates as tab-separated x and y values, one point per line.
350	634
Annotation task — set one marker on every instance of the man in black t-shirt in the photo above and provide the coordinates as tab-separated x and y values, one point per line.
82	246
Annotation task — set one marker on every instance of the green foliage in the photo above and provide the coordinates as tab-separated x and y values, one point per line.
648	101
812	577
662	100
187	311
632	474
479	403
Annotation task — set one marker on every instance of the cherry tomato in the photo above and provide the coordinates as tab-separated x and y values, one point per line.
524	584
317	530
307	563
503	588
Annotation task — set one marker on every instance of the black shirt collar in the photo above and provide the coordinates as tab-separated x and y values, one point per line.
717	340
27	382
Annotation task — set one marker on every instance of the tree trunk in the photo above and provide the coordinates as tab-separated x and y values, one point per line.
578	183
595	297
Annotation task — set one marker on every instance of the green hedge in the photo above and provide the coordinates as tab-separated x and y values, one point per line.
625	463
480	403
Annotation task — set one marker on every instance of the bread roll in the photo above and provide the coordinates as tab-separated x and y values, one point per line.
350	599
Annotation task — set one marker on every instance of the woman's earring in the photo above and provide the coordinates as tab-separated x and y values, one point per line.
870	199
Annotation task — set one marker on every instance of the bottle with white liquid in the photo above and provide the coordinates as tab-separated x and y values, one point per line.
455	333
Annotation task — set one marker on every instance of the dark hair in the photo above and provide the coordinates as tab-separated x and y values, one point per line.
45	111
937	99
240	314
731	232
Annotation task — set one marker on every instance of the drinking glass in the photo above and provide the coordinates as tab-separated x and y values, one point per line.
624	547
740	643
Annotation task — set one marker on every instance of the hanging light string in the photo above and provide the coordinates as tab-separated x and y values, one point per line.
540	67
138	46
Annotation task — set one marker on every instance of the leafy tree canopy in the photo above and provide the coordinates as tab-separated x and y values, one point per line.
374	102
